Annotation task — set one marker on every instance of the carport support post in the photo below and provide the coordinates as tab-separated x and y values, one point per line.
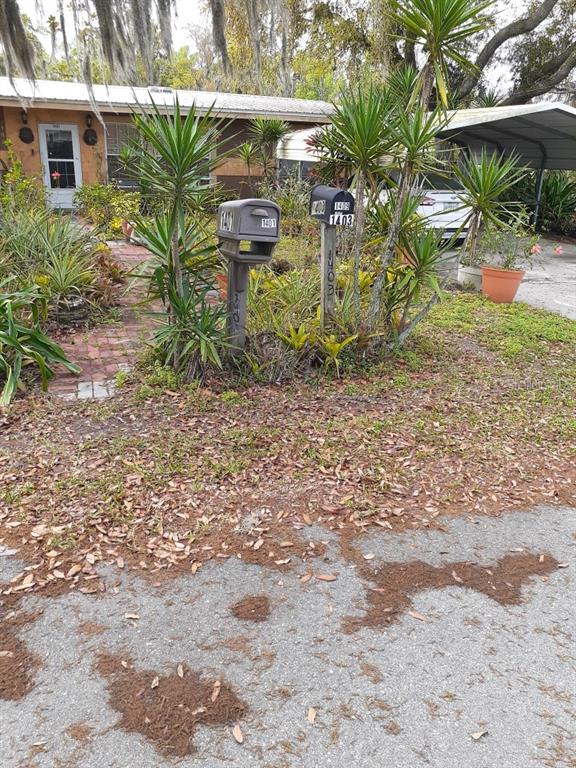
327	271
237	296
539	184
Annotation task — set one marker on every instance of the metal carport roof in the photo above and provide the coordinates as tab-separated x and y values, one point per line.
544	135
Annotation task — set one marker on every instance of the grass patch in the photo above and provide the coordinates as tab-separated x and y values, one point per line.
513	330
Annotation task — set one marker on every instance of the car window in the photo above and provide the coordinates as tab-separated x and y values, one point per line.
433	181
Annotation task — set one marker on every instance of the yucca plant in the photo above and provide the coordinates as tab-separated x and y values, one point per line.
441	27
22	342
265	133
173	156
486	179
414	133
361	135
249	154
194	333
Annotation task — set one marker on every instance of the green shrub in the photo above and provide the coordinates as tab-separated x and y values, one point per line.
292	195
106	206
57	255
17	191
558	202
22	342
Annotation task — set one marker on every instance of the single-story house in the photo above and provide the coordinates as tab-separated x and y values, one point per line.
58	137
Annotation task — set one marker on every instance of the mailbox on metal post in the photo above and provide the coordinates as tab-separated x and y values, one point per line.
333	207
258	223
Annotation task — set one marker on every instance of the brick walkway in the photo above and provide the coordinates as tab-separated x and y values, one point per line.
103	351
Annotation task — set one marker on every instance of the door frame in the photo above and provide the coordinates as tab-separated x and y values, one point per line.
60	198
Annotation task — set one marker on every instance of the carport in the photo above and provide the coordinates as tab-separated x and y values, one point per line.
542	135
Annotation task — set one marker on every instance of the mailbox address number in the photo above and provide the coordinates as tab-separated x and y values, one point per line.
226	221
268	223
342	219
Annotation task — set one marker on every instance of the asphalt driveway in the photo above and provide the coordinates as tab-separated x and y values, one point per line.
473	665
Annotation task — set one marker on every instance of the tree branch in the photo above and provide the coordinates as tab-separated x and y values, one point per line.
516	28
523	95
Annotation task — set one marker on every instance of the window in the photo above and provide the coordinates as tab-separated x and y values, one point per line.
119	135
303	170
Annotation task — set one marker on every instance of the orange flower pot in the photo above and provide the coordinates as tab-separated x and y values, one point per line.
127	229
501	285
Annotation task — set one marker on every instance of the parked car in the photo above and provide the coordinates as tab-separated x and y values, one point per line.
442	206
441	202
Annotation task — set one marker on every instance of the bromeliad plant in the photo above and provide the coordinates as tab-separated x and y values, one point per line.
22	342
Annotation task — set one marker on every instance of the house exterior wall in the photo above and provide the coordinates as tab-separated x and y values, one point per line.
93	159
232	173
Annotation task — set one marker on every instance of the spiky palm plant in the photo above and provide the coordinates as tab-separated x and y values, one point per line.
486	179
441	27
248	153
360	134
173	156
265	133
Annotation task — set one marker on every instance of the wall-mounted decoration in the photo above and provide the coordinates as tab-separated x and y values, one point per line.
90	137
25	135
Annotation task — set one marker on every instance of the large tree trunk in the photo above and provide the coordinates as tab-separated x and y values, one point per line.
254	27
63	29
552	74
516	28
219	34
165	22
143	34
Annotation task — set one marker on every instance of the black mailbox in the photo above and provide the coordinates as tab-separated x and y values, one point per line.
332	205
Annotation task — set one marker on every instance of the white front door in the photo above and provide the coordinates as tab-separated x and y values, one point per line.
62	170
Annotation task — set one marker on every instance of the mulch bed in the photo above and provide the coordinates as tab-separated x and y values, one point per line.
395	584
17	664
167	708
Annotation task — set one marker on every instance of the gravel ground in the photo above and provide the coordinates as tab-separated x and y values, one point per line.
417	693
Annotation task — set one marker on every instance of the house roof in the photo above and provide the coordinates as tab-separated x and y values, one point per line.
543	135
124	99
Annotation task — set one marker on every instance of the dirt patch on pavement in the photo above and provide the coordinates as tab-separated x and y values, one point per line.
17	664
252	608
91	628
396	583
80	732
166	709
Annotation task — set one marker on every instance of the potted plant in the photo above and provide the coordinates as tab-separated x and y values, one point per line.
484	178
507	251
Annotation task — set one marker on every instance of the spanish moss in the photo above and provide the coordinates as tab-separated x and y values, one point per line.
18	49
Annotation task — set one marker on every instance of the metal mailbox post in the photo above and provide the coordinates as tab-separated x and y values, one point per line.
258	223
333	207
